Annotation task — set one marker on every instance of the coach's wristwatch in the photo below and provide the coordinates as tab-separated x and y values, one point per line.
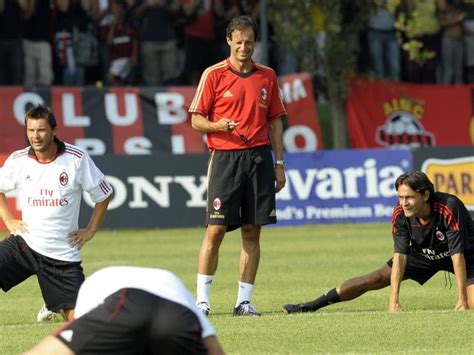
280	162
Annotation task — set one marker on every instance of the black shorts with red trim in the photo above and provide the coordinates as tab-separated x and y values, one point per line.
421	269
133	321
241	187
59	280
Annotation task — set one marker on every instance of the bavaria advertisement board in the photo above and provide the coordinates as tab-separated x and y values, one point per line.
341	186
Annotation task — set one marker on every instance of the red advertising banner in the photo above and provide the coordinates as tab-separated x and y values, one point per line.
391	114
143	121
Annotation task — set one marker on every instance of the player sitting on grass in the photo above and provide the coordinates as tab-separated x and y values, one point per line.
432	231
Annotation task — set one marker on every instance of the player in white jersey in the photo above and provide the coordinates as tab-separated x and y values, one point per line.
49	177
133	310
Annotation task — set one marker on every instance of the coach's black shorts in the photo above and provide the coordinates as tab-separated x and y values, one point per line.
420	269
59	280
133	321
241	187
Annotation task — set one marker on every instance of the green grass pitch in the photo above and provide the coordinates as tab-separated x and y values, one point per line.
297	264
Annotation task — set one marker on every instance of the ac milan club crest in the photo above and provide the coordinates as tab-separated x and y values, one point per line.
217	203
440	236
63	178
264	94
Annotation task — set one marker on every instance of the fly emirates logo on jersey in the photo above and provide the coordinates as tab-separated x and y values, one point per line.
46	198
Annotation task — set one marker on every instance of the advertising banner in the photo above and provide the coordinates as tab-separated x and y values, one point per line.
394	114
451	169
169	191
142	121
158	191
340	186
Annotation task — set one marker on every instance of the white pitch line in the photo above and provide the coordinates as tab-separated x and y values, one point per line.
25	325
268	315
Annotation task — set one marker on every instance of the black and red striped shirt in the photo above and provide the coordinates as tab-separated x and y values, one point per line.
450	230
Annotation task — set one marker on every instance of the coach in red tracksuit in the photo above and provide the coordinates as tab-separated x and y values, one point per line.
238	106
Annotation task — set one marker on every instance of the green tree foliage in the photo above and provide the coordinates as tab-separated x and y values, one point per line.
298	24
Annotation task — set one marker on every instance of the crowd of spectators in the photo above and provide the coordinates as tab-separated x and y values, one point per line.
446	33
170	42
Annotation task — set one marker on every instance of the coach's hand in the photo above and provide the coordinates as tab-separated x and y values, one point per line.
280	178
226	125
80	237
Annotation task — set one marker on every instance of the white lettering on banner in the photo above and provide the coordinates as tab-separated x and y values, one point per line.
69	113
131	109
308	135
170	108
291	212
382	210
196	192
331	183
327	213
21	102
141	187
138	146
93	146
177	144
293	91
343	212
386	185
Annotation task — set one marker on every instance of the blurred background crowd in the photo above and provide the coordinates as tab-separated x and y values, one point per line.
170	42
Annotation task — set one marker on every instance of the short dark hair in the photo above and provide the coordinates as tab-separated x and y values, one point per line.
241	23
41	111
417	181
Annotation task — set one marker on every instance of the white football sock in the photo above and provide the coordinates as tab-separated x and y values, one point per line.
245	292
204	283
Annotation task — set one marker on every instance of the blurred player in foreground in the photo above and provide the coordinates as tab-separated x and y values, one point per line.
133	310
49	177
432	231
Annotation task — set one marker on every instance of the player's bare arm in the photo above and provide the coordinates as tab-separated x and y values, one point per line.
459	266
202	124
49	345
13	225
276	137
81	236
396	277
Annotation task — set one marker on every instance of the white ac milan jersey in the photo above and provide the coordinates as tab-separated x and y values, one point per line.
50	196
159	282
